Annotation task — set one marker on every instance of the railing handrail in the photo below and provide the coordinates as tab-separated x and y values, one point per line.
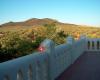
45	65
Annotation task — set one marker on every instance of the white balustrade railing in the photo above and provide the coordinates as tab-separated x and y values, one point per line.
46	65
93	44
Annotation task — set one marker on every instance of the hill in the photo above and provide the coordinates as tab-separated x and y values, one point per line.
30	22
35	23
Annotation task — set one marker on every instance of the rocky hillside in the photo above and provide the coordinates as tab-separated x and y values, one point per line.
31	22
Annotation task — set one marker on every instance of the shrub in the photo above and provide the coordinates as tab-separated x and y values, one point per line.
12	46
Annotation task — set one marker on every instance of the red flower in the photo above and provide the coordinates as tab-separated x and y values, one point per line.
41	48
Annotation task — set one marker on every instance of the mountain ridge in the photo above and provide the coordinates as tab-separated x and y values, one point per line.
35	22
30	22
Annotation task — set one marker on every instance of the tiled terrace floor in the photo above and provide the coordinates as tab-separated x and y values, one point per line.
87	67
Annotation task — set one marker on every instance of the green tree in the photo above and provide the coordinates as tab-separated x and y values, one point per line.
50	30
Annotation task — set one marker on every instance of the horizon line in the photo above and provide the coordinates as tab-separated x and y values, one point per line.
61	21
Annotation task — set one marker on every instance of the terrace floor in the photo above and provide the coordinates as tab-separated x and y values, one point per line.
87	67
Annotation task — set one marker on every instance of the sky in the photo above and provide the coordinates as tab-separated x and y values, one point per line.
84	12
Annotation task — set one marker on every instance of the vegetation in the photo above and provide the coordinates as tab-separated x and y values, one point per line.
14	44
20	41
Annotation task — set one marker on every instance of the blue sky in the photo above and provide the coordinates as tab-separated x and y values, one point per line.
85	12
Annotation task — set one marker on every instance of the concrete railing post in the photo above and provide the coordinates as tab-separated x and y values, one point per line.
82	37
50	50
48	45
70	40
